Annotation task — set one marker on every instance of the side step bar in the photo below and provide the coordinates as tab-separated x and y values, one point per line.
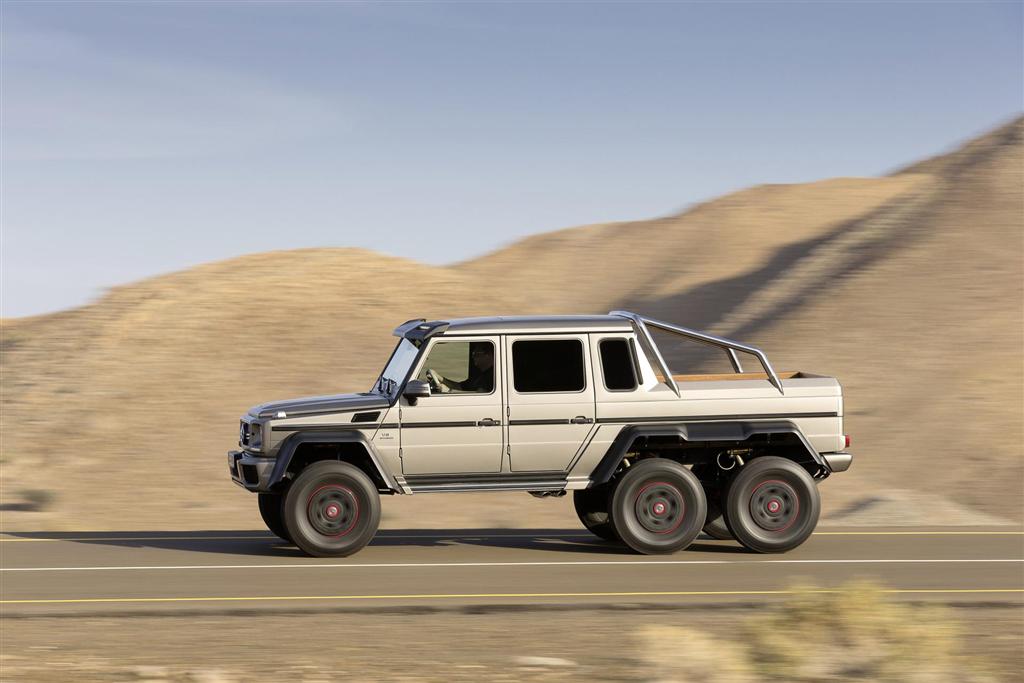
492	482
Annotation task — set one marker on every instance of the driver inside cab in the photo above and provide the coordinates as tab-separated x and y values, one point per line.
481	372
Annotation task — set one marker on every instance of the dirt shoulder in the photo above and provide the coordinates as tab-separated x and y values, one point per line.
613	644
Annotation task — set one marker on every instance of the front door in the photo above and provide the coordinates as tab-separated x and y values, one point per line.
458	428
550	400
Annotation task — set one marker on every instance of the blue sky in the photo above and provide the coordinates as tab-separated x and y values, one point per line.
143	138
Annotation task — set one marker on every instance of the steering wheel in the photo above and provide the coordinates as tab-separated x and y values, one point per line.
434	380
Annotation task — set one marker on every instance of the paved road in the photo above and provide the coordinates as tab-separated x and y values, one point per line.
232	570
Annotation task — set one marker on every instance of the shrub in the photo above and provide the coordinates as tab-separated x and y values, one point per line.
852	633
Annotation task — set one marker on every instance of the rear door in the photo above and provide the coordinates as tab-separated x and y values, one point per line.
550	400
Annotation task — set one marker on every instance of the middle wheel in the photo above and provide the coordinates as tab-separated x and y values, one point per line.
658	506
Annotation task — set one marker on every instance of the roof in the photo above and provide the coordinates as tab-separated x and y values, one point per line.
519	324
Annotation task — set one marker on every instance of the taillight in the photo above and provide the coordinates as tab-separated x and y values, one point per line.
846	438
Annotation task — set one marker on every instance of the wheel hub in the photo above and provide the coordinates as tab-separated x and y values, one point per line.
332	510
774	505
659	507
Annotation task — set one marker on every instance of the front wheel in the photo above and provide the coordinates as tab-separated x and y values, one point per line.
772	505
332	509
272	512
658	506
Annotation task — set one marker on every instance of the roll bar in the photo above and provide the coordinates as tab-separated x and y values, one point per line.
729	346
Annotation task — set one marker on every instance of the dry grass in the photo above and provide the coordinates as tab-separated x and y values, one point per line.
853	633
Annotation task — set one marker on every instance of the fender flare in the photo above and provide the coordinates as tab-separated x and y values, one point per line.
733	431
293	441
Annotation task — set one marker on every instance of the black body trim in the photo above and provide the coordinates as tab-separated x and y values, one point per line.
417	425
515	423
322	428
292	443
702	418
695	432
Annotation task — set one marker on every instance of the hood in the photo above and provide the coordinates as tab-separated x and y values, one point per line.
314	405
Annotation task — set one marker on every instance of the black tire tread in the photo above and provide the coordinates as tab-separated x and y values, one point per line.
622	511
745	531
272	511
307	539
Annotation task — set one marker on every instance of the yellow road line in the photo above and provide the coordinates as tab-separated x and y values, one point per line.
463	596
386	536
269	537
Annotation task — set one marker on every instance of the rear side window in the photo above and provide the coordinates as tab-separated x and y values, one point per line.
617	365
548	365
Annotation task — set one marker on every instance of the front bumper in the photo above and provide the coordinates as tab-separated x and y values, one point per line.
838	462
250	472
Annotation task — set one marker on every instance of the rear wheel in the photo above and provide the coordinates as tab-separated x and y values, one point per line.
716	483
772	505
658	506
592	509
272	512
332	509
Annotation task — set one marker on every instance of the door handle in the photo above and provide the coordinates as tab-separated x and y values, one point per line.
582	420
488	422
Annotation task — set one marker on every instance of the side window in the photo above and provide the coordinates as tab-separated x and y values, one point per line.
460	367
548	365
617	365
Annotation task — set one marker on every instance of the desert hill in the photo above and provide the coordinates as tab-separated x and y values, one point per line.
908	287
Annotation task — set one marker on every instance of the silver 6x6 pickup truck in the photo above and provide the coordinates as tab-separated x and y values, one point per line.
549	405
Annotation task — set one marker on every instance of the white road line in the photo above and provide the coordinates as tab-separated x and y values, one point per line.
453	537
553	563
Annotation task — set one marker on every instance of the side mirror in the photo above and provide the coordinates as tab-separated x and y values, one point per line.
416	389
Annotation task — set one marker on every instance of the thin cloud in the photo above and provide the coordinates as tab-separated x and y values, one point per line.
68	99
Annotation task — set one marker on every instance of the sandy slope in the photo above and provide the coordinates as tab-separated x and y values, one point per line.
907	287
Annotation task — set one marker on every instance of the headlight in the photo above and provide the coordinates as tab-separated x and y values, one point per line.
256	436
250	435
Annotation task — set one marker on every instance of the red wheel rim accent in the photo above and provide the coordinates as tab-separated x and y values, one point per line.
332	503
777	508
659	507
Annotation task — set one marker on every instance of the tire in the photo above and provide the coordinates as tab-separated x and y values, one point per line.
715	525
332	509
272	512
772	505
658	506
716	484
592	509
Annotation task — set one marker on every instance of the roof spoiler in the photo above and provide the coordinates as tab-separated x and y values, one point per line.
419	329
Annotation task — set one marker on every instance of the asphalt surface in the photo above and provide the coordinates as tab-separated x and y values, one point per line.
158	572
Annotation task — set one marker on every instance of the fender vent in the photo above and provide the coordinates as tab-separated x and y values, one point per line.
366	417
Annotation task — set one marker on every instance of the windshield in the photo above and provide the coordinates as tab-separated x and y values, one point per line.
397	368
